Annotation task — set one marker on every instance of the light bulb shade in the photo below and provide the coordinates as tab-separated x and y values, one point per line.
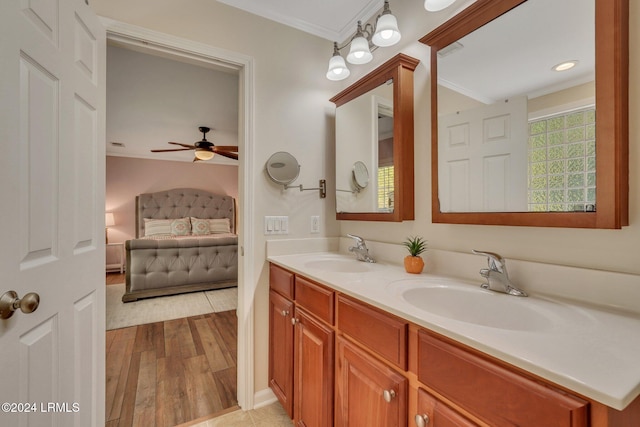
337	68
387	32
204	154
436	5
109	220
359	52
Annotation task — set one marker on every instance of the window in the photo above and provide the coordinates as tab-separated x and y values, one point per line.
562	162
385	188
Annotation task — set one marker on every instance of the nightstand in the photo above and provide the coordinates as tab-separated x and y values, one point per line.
119	249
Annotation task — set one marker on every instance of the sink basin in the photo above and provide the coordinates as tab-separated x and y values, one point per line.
339	264
474	305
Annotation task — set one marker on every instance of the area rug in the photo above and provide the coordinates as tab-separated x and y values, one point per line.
121	315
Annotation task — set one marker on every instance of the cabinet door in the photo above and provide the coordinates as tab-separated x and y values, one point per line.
433	413
368	392
281	349
313	361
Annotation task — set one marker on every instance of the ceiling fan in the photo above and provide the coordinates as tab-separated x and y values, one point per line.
204	150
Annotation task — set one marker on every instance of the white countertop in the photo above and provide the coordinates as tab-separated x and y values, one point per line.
595	352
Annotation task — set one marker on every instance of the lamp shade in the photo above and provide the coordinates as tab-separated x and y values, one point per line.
387	32
436	5
204	154
359	52
109	220
337	68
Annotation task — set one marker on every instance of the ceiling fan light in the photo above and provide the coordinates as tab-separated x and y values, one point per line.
437	5
204	154
359	52
387	32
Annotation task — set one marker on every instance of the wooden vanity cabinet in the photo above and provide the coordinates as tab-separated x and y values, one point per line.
368	392
301	347
433	413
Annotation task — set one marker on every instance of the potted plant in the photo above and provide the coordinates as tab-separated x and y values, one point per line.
413	262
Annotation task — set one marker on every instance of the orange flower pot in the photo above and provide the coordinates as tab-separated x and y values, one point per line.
413	264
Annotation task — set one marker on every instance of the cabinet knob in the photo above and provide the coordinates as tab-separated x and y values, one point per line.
422	420
294	321
285	313
388	395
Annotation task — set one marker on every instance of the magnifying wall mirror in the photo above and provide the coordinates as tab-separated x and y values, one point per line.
360	175
282	168
517	141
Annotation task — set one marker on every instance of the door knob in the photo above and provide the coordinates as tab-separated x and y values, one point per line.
9	303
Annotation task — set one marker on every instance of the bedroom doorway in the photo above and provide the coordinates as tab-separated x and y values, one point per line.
169	46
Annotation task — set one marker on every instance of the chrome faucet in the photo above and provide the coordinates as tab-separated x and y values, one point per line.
496	275
360	249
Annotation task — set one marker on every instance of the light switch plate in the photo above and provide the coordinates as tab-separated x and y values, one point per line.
276	225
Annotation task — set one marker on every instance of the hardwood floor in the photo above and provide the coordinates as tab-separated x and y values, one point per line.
168	373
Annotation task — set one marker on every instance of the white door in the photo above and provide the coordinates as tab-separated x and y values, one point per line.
482	155
52	97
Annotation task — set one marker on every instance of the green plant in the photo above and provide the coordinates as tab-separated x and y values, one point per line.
415	245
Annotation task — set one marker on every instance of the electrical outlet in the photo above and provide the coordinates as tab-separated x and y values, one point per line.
315	223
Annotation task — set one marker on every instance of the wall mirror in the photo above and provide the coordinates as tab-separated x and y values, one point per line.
282	168
516	142
374	132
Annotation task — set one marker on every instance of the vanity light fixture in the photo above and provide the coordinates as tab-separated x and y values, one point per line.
437	5
384	33
564	66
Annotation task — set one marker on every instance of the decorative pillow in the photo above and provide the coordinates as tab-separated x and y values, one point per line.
217	226
199	226
180	227
157	227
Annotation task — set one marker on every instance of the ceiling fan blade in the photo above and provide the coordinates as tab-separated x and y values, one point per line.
183	145
171	149
225	148
233	156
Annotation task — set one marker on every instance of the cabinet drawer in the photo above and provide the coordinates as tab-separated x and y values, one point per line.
438	414
315	299
281	281
380	332
493	393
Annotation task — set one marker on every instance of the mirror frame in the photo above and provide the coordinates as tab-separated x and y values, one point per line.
612	111
399	68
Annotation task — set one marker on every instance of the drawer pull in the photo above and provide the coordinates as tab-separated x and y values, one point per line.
422	420
388	395
285	313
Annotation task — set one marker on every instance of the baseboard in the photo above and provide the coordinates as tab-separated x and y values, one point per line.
263	398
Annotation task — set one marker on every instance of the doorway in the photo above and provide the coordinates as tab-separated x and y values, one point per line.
169	46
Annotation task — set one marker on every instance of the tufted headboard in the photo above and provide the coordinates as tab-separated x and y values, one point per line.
183	202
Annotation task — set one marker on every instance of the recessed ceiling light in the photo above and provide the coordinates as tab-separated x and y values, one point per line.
564	66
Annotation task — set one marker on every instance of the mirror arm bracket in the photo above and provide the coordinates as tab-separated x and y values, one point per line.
322	188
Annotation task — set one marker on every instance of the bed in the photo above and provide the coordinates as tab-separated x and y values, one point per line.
185	242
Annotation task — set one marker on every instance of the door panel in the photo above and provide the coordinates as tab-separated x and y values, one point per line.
52	97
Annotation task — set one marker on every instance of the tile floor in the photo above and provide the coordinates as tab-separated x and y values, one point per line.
268	416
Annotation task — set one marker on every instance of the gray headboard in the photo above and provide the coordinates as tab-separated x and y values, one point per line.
183	202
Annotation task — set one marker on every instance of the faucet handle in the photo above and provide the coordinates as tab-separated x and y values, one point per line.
495	261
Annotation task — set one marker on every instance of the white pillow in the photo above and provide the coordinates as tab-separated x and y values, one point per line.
218	226
180	227
199	226
157	227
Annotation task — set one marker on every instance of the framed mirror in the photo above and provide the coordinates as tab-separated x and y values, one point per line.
516	142
374	128
282	168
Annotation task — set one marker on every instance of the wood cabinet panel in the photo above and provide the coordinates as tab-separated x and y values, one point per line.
281	281
493	393
379	331
314	355
315	298
438	413
361	383
281	349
